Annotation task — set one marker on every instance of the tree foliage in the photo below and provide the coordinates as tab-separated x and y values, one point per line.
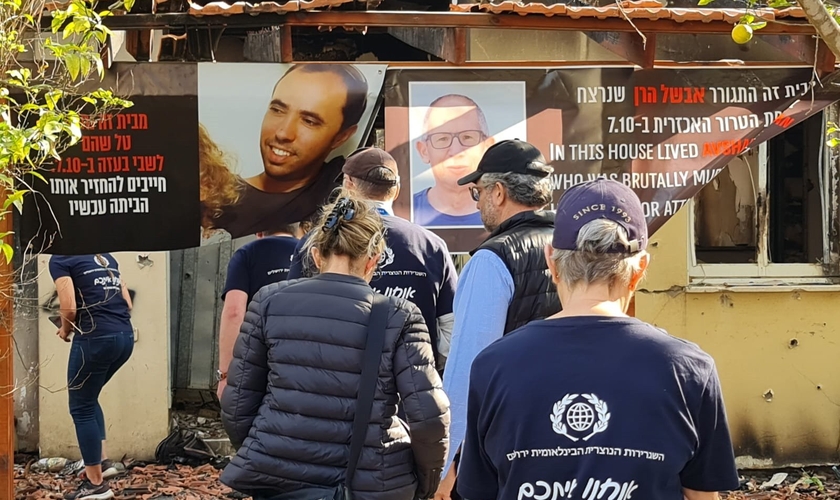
45	97
823	15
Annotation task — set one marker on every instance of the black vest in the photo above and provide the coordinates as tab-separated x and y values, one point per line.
520	242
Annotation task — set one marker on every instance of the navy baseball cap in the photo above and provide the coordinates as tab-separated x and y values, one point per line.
600	199
510	156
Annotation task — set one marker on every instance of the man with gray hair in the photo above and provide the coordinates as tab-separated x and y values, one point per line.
624	405
506	282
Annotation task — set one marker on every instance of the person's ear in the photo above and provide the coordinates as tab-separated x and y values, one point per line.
423	151
370	266
316	257
497	195
644	261
342	136
552	267
397	190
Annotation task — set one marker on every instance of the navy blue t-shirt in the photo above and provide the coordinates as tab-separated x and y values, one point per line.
594	408
259	263
100	306
415	266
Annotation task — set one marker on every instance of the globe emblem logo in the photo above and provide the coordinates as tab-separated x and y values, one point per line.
580	417
387	257
572	418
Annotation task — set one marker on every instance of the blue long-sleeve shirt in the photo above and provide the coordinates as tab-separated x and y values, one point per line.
485	289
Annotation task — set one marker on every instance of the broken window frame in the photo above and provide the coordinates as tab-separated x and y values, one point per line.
765	272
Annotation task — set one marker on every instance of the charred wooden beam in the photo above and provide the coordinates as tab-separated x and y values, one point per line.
805	49
629	46
287	51
449	44
138	43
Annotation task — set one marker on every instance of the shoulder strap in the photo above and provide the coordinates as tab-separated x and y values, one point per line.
367	386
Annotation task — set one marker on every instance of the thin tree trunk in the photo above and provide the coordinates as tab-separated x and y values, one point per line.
823	22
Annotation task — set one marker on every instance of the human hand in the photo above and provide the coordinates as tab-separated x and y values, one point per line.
63	334
444	491
221	388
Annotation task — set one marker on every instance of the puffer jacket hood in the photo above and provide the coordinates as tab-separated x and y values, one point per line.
292	387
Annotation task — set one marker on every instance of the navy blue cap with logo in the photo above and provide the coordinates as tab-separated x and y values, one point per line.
601	198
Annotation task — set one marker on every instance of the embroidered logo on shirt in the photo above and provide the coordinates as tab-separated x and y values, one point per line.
580	420
387	257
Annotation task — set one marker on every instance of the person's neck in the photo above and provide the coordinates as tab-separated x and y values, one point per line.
271	185
451	201
510	210
341	265
387	205
593	300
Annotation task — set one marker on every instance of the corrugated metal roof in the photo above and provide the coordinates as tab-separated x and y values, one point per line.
643	9
226	9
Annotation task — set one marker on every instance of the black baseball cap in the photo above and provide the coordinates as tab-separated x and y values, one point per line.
373	165
600	199
511	156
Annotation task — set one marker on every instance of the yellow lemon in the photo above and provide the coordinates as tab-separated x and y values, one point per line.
742	33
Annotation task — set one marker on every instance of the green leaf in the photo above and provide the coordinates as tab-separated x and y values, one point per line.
758	25
8	251
52	128
29	107
832	143
15	199
831	129
702	3
37	175
129	4
52	98
85	66
75	131
747	19
57	20
779	4
73	63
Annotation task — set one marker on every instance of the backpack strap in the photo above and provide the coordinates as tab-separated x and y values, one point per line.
377	324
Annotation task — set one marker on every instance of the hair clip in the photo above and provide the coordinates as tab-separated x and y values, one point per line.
343	209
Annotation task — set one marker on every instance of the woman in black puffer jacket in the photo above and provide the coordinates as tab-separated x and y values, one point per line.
291	390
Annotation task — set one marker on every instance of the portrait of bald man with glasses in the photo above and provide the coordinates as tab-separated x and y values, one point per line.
454	137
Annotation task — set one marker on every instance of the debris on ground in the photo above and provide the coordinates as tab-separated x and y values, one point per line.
140	482
818	483
201	415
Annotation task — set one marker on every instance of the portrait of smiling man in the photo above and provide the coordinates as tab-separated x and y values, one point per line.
455	136
313	110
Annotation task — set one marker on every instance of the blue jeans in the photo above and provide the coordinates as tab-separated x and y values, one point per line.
94	359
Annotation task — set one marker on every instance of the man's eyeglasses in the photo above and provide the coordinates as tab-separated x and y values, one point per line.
467	138
475	193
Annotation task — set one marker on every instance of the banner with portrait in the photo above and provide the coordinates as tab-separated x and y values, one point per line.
665	133
208	152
